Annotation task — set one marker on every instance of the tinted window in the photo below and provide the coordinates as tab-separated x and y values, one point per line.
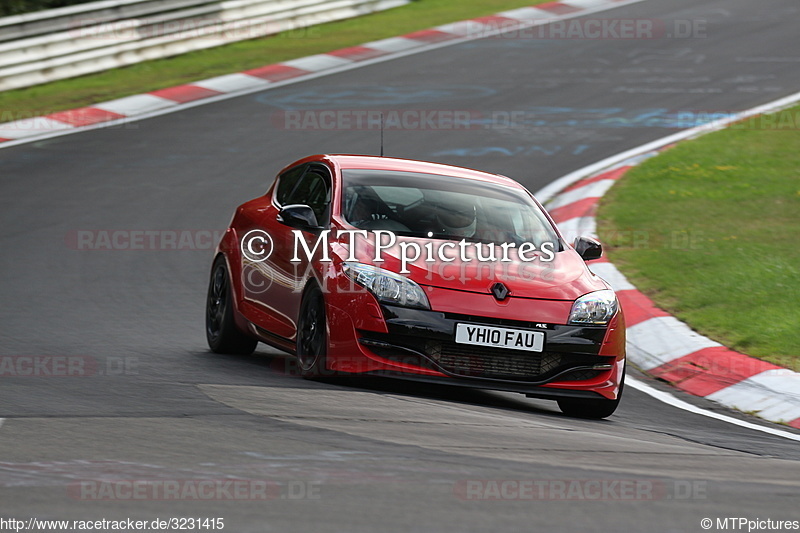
312	190
287	182
427	205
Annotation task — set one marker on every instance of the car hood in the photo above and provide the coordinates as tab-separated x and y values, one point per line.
566	277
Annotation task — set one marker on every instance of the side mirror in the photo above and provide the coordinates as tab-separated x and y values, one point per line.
588	248
298	216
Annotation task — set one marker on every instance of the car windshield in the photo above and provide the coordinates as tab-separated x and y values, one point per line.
443	207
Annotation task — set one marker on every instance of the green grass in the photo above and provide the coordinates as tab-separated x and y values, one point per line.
235	57
18	7
709	230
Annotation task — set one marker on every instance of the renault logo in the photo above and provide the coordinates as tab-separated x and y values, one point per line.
500	291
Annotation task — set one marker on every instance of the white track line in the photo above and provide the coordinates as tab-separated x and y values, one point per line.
669	399
550	191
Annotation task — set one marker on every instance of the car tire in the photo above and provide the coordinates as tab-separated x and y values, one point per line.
221	332
312	336
595	409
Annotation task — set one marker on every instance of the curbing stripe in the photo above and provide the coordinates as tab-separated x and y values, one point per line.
30	126
575	227
758	394
431	36
358	53
136	105
84	116
276	73
615	174
582	4
231	83
498	21
614	277
593	190
393	44
710	370
317	62
636	305
464	28
581	208
526	14
660	340
184	93
558	8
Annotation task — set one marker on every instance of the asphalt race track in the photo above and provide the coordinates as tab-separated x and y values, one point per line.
150	402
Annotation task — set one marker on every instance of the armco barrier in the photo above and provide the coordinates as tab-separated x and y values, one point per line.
62	43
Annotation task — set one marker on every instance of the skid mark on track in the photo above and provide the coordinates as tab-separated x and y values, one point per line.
440	425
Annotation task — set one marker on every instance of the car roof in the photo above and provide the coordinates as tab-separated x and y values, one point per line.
344	161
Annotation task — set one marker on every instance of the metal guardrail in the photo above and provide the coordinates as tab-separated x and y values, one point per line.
45	46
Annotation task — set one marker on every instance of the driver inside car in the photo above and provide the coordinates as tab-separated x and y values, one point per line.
456	220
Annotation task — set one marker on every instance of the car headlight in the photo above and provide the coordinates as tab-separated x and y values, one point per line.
595	308
387	286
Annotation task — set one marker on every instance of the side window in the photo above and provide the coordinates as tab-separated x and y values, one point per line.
313	190
287	182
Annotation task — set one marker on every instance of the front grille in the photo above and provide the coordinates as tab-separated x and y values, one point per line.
485	362
500	363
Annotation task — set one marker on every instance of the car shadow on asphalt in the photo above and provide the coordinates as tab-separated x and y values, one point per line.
280	370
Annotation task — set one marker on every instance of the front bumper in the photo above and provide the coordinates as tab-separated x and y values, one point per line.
573	363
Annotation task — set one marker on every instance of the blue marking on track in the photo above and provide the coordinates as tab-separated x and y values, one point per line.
531	150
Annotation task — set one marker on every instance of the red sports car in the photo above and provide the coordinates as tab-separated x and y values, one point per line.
382	266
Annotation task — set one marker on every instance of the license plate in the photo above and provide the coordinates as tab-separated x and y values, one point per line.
513	339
